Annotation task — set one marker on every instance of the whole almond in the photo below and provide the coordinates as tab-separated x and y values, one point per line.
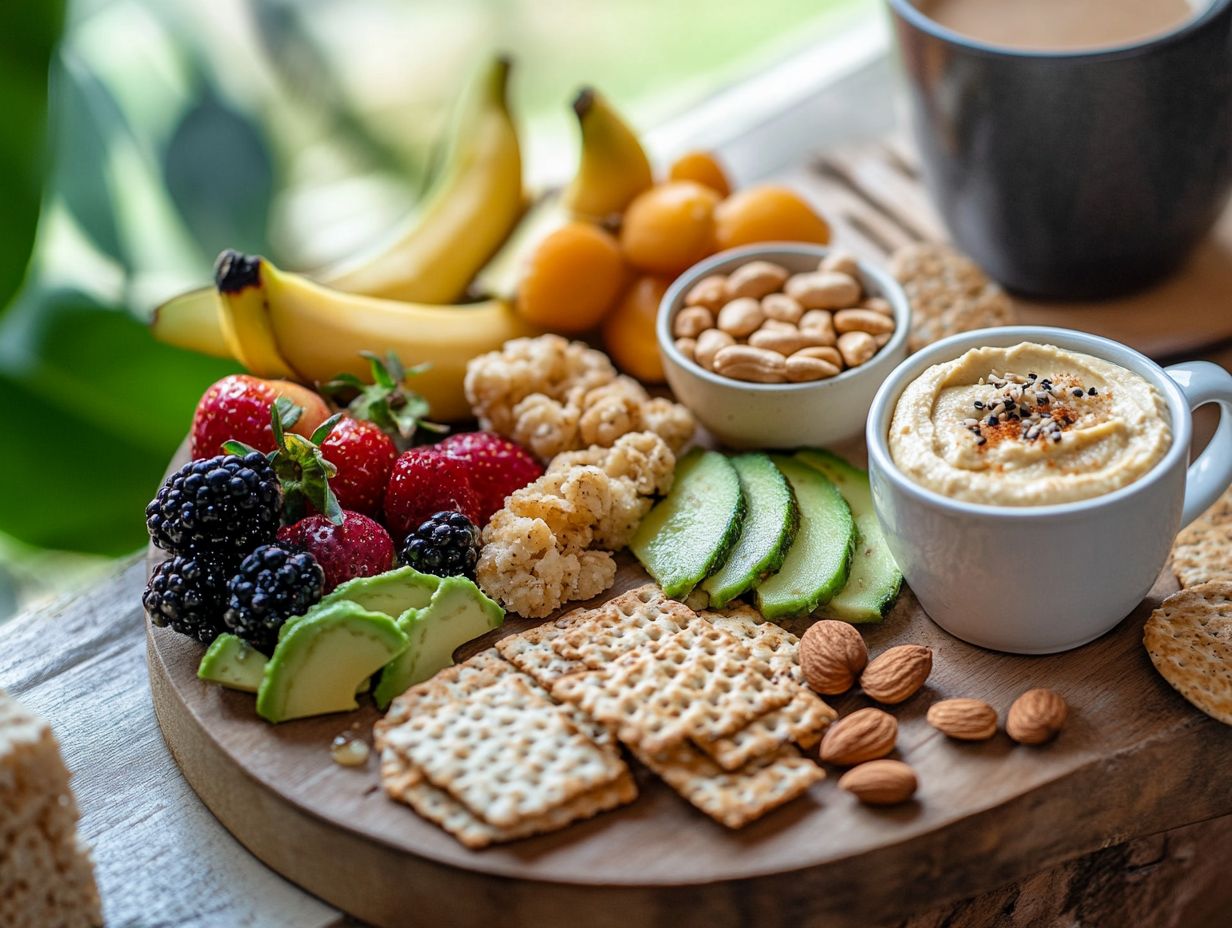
710	343
755	279
1036	716
880	782
692	321
831	655
896	675
964	719
710	292
866	734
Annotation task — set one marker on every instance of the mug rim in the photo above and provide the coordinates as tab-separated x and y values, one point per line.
908	11
948	349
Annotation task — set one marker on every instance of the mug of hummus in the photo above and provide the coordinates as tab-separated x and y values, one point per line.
1030	481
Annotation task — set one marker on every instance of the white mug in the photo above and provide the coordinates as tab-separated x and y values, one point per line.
1041	579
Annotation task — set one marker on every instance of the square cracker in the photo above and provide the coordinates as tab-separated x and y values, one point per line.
734	798
436	805
699	682
531	651
641	616
506	752
455	682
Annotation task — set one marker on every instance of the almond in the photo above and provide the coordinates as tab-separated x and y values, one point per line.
1036	716
880	782
866	734
832	654
897	674
964	719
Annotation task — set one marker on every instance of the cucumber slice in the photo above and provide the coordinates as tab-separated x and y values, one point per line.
819	559
875	579
769	527
689	532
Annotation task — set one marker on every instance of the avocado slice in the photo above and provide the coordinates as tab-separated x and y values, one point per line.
875	579
457	613
689	532
769	527
819	559
232	662
393	593
324	658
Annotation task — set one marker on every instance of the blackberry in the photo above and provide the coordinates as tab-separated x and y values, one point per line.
188	595
223	506
445	544
273	583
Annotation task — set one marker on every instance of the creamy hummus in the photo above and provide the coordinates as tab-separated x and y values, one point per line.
1029	425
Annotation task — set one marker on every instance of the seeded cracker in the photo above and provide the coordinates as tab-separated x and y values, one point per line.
1203	549
1189	639
700	682
531	651
507	752
642	616
734	799
948	293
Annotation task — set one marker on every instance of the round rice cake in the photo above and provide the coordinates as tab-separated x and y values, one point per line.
1203	549
948	293
1189	639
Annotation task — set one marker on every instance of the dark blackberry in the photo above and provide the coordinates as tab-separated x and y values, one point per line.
223	506
273	583
445	544
188	595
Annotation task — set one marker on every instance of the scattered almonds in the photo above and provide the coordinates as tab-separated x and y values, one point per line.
866	734
1036	716
896	675
880	782
832	654
964	719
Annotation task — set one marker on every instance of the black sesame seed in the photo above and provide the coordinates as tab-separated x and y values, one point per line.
1077	391
1091	392
993	420
979	404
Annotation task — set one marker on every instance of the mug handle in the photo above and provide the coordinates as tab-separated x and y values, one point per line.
1203	382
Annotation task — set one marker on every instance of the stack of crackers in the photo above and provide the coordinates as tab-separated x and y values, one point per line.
526	737
948	293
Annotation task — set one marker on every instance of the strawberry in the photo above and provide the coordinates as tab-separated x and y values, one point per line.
364	456
358	547
496	465
425	481
238	407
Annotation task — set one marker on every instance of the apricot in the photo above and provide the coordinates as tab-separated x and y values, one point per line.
767	213
571	279
669	227
703	168
629	331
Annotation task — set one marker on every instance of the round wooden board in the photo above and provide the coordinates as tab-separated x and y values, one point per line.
985	814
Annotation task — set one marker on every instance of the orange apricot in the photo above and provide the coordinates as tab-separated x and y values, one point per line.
703	168
669	227
571	278
767	213
629	330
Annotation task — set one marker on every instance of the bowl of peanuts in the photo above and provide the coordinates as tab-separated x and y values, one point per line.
780	345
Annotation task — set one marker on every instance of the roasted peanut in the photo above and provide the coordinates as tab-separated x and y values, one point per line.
856	347
800	368
777	325
878	304
710	343
687	347
741	317
710	292
781	307
784	342
820	324
862	320
823	290
883	339
840	262
692	321
744	362
826	353
755	279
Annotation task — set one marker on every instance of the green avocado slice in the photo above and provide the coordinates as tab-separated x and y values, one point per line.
875	579
819	559
769	526
393	593
232	662
457	613
324	658
689	532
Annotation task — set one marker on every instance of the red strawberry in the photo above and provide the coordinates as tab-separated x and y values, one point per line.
425	481
238	407
497	467
359	547
364	456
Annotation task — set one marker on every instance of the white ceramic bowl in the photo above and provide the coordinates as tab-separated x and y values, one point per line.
780	415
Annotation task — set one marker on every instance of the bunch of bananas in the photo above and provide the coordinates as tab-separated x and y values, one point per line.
406	297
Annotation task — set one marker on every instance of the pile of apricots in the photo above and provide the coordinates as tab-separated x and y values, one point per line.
585	276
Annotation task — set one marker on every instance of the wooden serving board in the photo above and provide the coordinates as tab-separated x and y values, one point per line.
986	814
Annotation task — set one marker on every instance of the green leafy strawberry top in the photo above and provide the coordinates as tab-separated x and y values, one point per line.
387	401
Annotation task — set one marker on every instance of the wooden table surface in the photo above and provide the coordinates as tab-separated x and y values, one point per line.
163	860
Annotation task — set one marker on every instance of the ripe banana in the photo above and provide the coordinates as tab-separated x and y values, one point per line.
614	168
284	325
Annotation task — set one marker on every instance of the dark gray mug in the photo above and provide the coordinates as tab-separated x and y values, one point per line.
1074	174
